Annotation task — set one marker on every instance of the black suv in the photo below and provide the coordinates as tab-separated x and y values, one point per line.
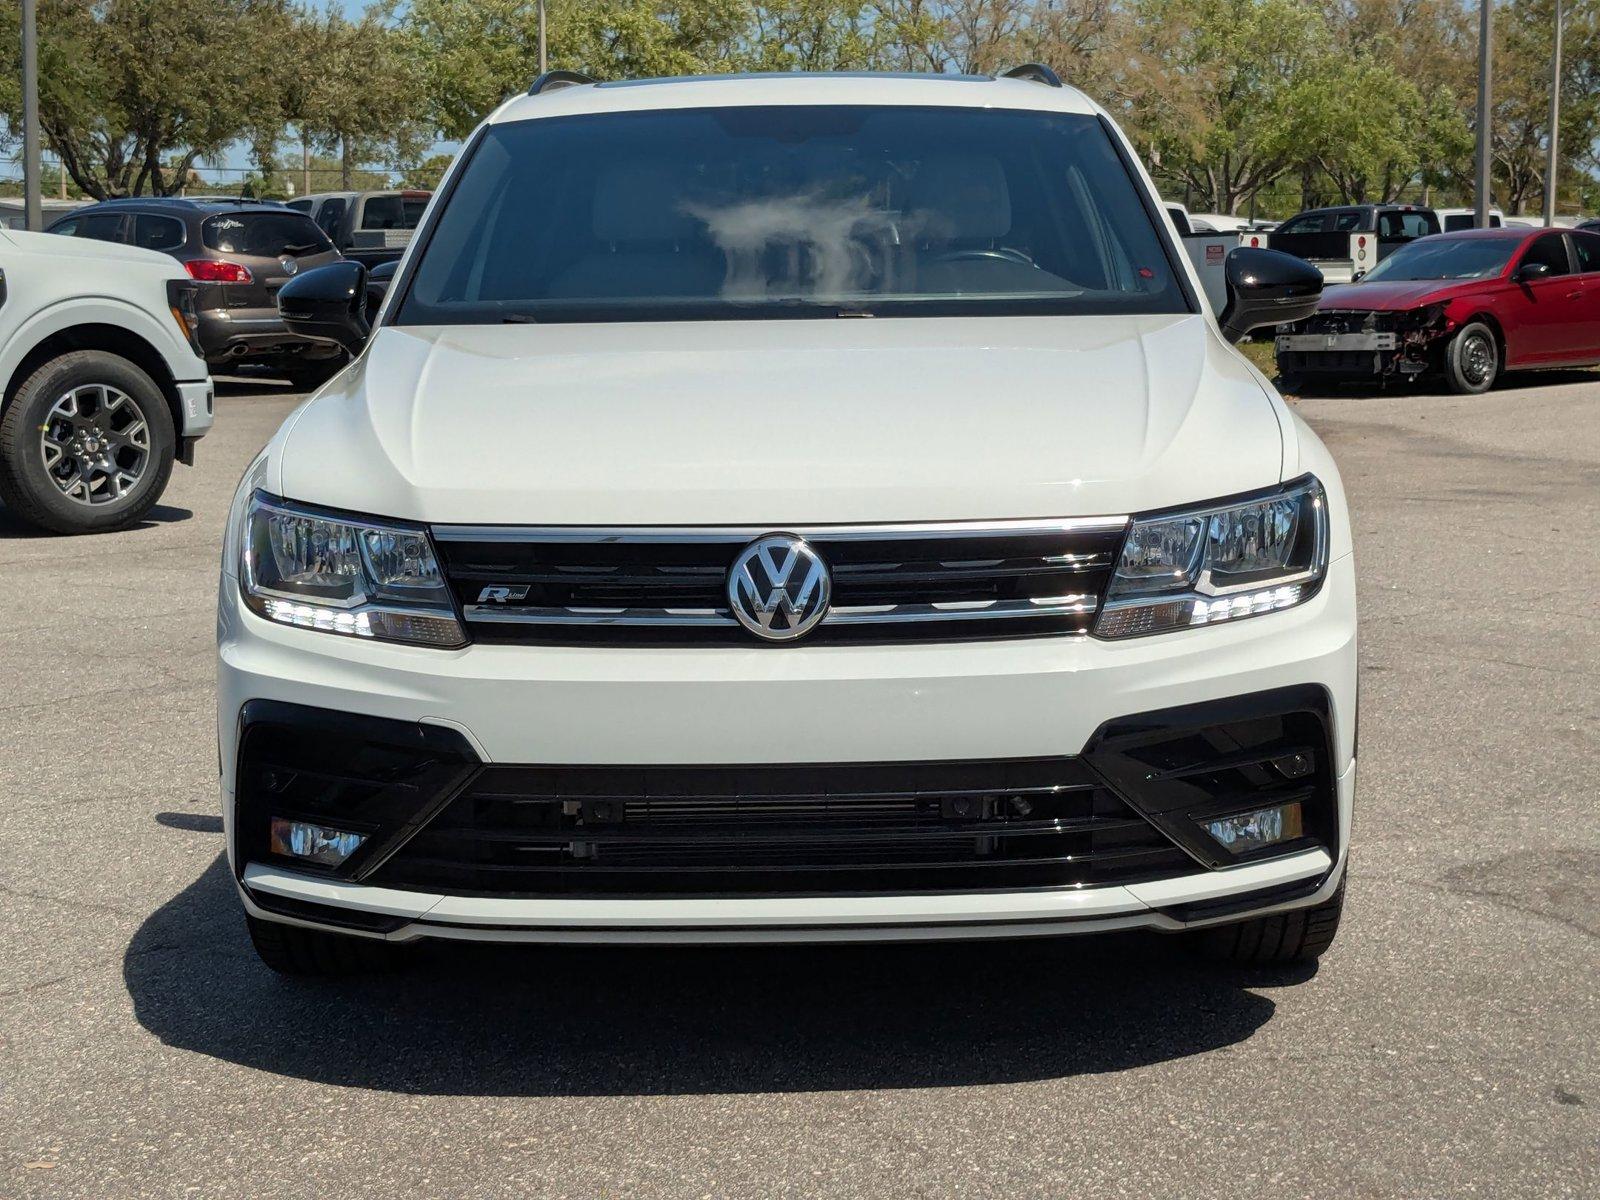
241	253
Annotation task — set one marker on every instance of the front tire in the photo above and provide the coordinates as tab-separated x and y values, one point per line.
86	445
295	950
1282	939
1472	360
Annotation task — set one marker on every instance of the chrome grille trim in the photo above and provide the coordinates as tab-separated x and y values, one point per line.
1059	606
645	534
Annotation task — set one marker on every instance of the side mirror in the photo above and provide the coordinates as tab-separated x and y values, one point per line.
378	280
1267	287
328	304
1529	271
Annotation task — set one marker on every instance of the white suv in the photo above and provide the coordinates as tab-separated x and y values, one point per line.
791	509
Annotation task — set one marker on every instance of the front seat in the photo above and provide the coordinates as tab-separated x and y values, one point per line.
958	211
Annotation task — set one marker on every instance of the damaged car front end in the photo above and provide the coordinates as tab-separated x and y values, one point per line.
1364	344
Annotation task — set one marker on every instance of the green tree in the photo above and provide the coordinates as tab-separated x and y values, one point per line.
1211	92
472	54
355	92
134	92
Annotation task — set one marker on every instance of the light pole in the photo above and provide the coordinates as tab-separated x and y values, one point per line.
1485	104
33	215
544	58
1555	125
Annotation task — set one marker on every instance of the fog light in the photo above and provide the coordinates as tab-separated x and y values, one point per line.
313	843
1248	831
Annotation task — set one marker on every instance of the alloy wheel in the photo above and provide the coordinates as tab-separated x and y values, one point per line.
95	443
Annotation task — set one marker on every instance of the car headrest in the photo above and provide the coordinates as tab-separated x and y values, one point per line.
642	202
960	197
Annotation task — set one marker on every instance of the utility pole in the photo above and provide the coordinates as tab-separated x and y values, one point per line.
1555	125
1485	105
33	213
544	58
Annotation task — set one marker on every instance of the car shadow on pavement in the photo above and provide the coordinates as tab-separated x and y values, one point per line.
543	1021
162	514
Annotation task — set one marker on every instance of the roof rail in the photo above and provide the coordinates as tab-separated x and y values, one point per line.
552	80
1034	73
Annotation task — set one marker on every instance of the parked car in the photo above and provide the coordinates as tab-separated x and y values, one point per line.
683	605
104	385
1453	220
1466	307
240	254
370	227
1348	241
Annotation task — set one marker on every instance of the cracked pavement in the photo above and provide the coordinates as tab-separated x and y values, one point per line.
1448	1046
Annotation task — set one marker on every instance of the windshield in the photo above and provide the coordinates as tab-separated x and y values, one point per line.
1446	258
264	234
792	211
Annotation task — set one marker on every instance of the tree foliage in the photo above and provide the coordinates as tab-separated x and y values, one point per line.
1228	100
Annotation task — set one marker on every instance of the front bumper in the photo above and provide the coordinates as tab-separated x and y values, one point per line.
196	408
835	704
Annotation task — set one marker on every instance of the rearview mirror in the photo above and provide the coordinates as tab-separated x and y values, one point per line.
328	304
1529	271
1267	287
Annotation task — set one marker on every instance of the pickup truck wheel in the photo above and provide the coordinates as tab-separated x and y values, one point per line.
1300	936
86	445
1472	360
295	950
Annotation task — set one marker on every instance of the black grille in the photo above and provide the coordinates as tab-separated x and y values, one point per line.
888	584
541	831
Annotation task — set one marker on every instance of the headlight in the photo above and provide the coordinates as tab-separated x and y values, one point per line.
1219	563
339	574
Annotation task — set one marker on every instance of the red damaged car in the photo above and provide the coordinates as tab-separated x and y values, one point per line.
1465	306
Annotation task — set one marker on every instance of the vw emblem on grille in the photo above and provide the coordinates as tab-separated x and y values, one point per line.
290	265
778	587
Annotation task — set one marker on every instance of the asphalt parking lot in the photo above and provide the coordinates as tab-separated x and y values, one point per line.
1448	1046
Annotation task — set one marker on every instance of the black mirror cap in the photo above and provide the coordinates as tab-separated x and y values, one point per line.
1267	287
328	304
1529	271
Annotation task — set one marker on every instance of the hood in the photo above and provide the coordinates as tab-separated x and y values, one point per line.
1379	296
785	422
57	246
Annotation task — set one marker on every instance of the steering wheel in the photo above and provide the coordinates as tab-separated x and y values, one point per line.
1004	254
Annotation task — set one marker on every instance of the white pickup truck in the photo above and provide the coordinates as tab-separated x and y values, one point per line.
104	385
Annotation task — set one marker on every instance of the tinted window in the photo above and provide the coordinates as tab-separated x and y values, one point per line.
300	205
103	227
392	212
764	211
1550	250
1446	258
1405	225
1348	221
264	234
329	216
1306	223
157	233
1587	246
